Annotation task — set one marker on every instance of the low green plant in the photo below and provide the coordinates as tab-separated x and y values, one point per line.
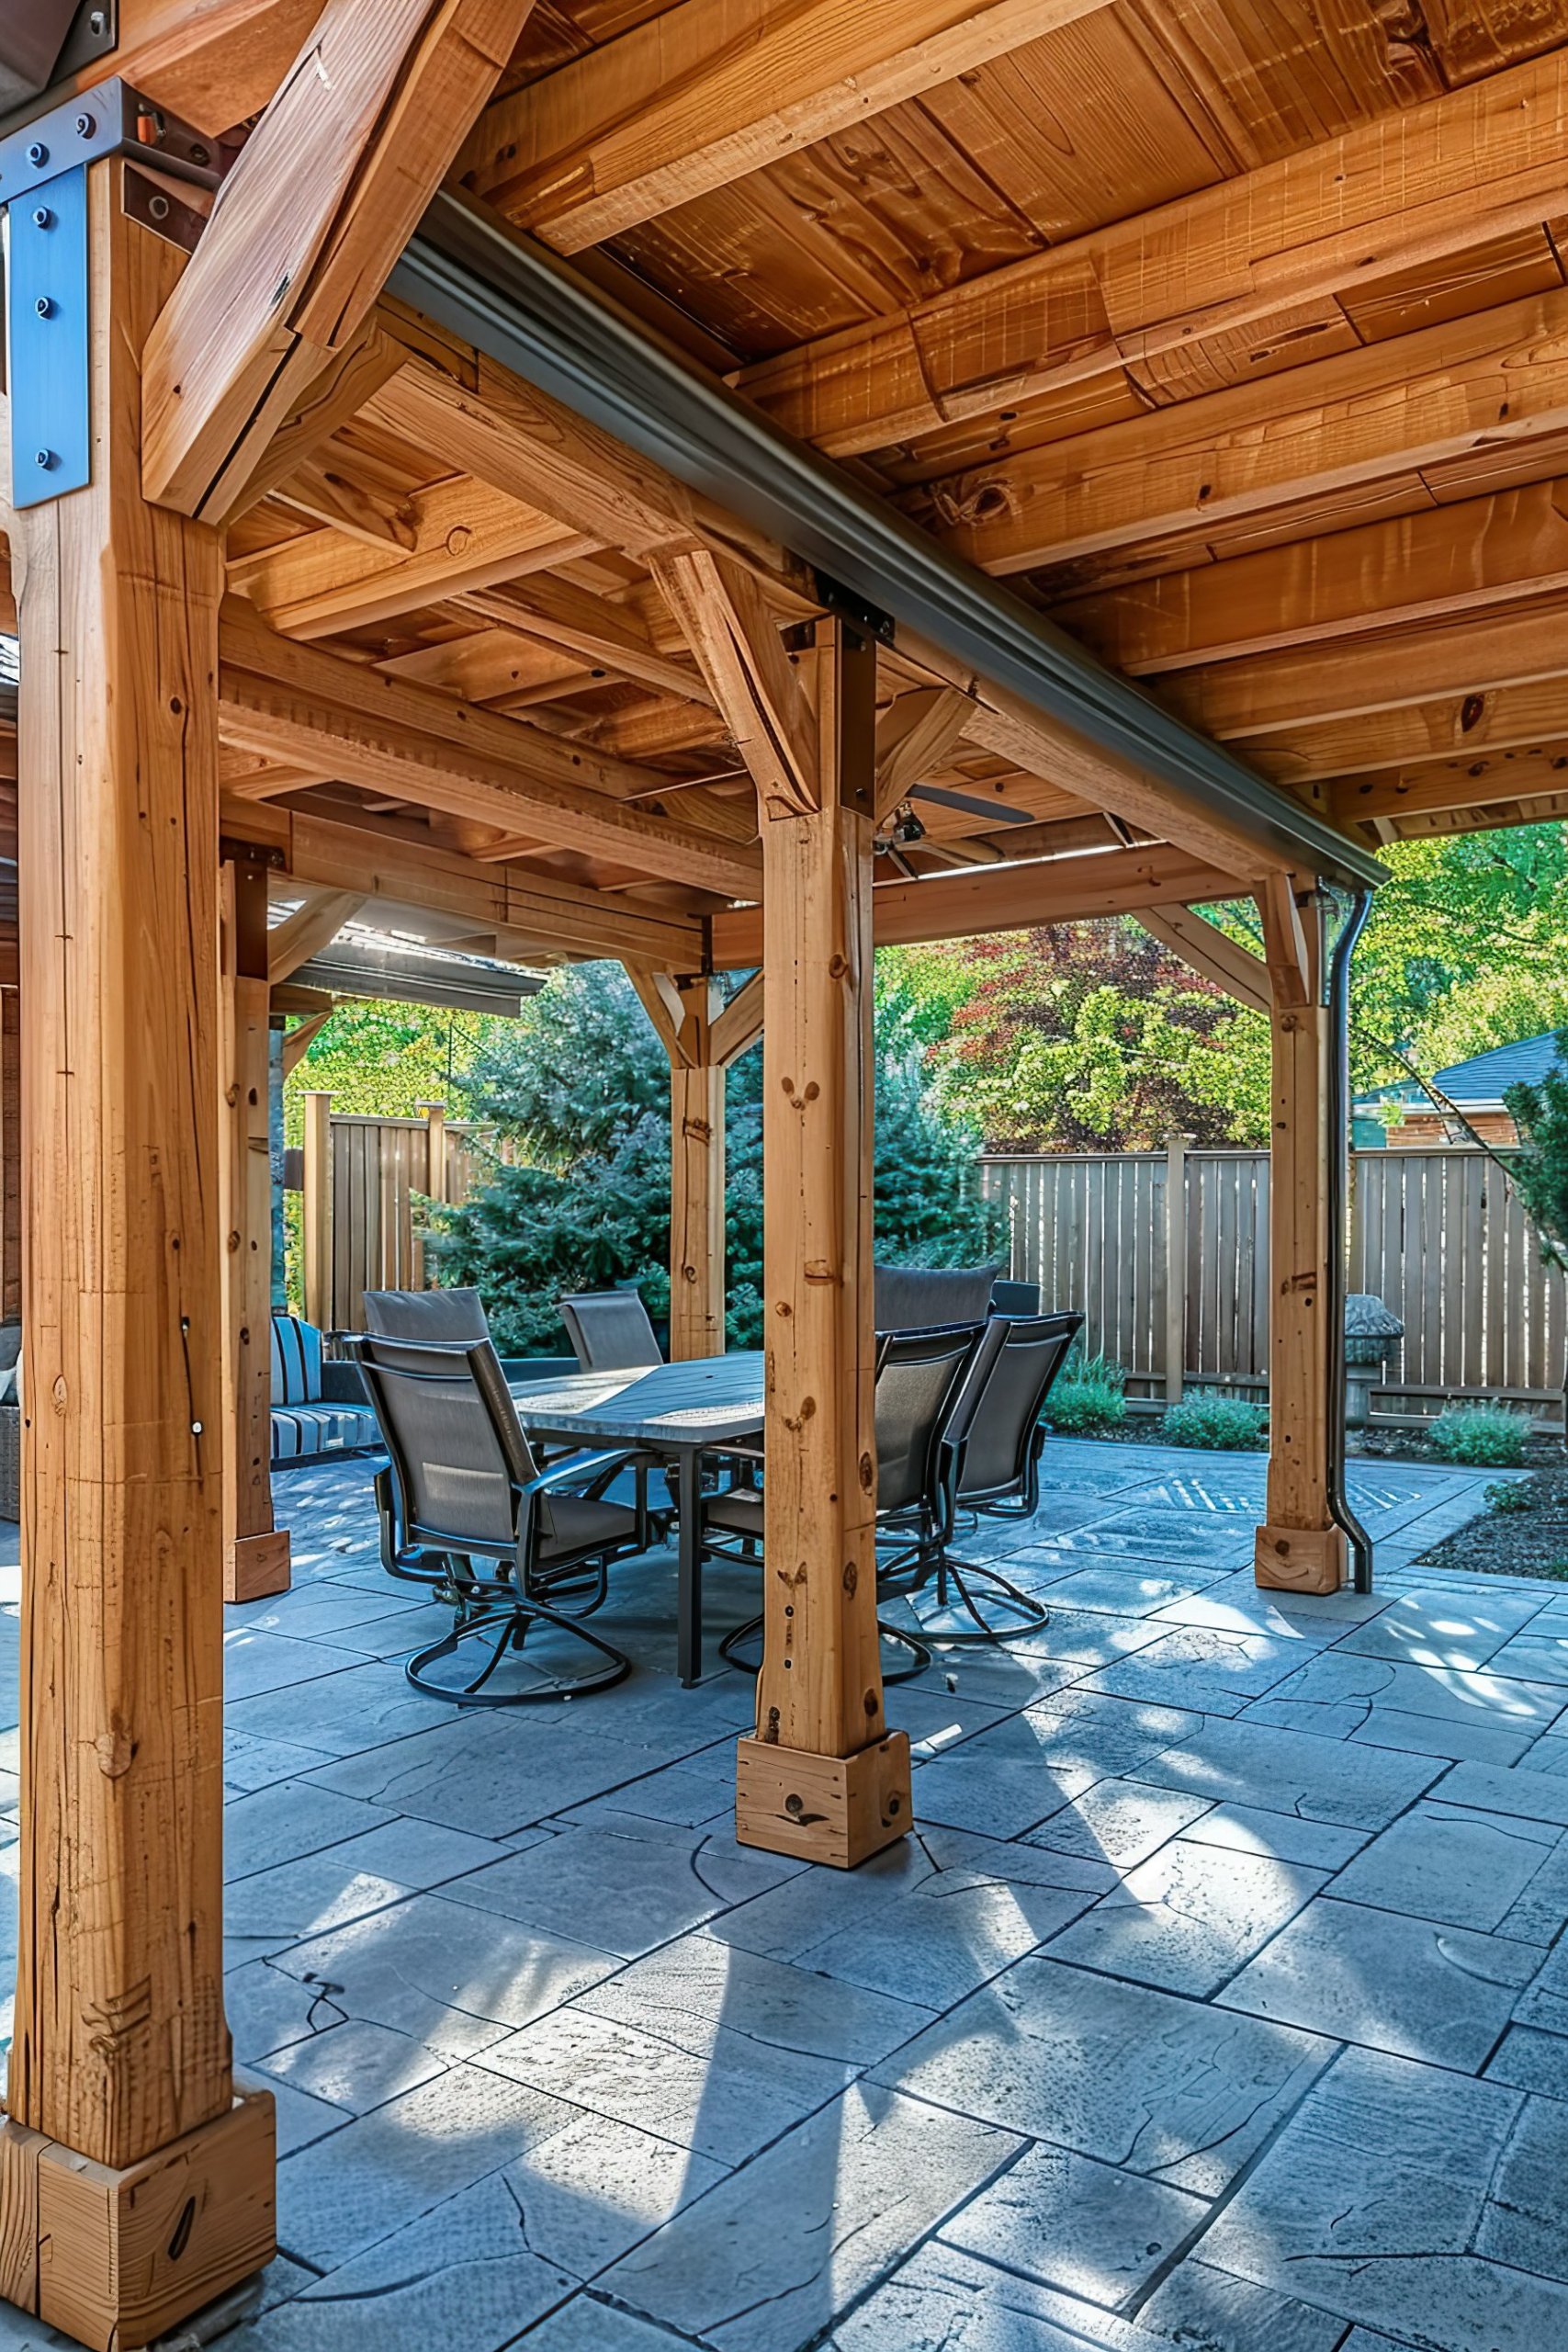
1487	1437
1217	1424
1090	1398
1509	1498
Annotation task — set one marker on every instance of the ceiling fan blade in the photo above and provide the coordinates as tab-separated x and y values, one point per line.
971	805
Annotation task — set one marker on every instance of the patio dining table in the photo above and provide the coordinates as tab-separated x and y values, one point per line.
672	1410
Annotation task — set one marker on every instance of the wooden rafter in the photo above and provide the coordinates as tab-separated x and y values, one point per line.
297	703
1499	377
311	218
1288	242
1212	954
312	927
712	88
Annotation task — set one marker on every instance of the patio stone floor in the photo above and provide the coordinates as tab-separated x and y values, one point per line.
1220	2000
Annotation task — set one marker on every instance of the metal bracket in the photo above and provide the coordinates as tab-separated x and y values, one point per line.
43	183
836	598
268	853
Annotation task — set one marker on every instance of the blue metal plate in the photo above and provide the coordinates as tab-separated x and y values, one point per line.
47	305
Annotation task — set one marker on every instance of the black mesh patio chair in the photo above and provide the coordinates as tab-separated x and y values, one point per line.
443	1317
919	1373
993	1443
460	1486
609	1331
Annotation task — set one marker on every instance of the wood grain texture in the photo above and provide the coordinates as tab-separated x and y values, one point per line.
1228	267
253	1555
820	1686
1494	380
706	92
120	2042
320	203
696	1179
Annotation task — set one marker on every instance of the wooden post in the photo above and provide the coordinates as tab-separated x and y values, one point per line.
133	2187
10	1156
822	1778
256	1553
1300	1548
435	1186
1175	1265
696	1179
434	1150
317	1214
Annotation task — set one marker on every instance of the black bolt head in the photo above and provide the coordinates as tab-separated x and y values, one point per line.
38	153
84	126
43	218
44	307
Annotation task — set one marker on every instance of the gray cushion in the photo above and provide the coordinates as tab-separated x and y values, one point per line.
916	1298
578	1522
740	1509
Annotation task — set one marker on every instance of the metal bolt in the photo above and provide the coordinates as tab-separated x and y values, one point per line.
158	206
85	125
196	1429
199	156
43	218
44	457
97	24
38	153
44	307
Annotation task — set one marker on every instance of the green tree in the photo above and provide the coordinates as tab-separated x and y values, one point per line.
1540	1174
582	1087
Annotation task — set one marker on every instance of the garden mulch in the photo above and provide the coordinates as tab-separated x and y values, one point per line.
1531	1541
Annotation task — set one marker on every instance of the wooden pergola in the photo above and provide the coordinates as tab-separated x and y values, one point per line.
1231	338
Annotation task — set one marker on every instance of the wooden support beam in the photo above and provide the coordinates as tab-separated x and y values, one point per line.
255	1552
312	927
466	536
822	1778
915	735
1002	898
738	1026
1299	1548
1190	290
303	1034
1469	555
1266	695
532	450
696	1169
302	705
121	2056
1212	954
1489	783
1498	378
10	1156
523	910
322	199
710	90
1318	759
755	683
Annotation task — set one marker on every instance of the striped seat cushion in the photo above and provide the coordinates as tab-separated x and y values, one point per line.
300	1430
296	1361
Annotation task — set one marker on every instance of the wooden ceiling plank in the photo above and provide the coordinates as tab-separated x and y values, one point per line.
711	90
1500	377
1387	196
607	634
321	202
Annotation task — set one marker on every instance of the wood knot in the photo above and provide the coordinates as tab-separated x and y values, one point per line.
818	1269
851	1578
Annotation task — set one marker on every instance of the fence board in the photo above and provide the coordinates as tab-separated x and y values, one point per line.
1441	1236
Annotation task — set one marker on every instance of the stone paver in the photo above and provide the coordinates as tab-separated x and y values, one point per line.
1219	2002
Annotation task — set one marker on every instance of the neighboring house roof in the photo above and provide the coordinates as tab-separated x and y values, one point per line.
1484	1078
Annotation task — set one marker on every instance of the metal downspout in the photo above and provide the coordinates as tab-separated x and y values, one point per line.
1338	1188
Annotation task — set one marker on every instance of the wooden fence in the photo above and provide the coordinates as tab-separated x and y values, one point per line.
1439	1236
362	1179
